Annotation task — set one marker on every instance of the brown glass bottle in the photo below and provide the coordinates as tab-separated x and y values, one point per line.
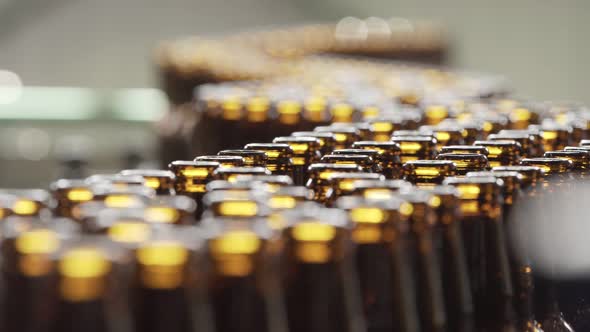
67	194
160	180
424	260
451	255
243	282
416	147
29	284
466	162
306	151
428	172
279	157
252	158
388	156
379	189
318	275
327	139
502	153
191	179
342	184
486	248
520	265
344	135
319	175
90	290
167	289
381	232
223	161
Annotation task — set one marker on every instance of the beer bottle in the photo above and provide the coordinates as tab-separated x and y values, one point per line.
446	135
530	147
388	156
118	180
343	183
252	158
319	175
555	136
244	286
318	276
27	202
67	194
380	231
424	260
520	266
383	126
285	199
344	136
231	173
159	180
428	172
486	248
168	289
466	162
89	295
122	197
327	139
465	149
245	204
370	164
305	152
379	189
28	278
451	255
272	182
580	160
502	153
192	178
223	161
416	147
279	157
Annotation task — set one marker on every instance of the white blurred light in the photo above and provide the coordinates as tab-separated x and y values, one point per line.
378	27
11	87
351	28
399	24
33	144
553	230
